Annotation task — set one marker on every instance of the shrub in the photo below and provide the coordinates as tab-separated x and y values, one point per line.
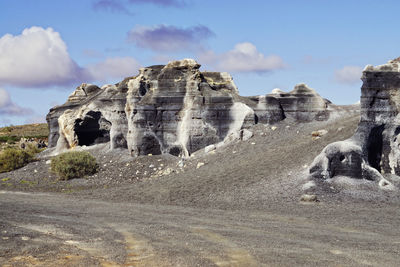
9	139
12	158
33	149
73	165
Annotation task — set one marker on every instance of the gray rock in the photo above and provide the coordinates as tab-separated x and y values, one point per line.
374	148
173	109
246	134
309	198
302	104
209	148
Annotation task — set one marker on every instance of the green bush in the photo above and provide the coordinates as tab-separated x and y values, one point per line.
9	139
12	158
74	165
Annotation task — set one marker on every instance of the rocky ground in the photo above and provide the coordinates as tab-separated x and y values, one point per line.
238	205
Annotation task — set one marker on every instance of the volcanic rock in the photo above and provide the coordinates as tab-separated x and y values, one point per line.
302	104
374	149
173	109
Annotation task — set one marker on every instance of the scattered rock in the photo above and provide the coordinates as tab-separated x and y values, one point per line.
181	163
273	128
386	185
209	148
309	198
308	185
245	134
200	164
318	134
168	171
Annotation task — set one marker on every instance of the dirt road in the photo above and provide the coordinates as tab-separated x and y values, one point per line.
53	230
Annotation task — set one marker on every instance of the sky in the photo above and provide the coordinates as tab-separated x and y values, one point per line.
48	47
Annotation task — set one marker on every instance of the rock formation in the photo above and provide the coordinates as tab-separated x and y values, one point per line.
173	109
375	147
302	104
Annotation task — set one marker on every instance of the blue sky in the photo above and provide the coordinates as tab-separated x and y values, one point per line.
47	47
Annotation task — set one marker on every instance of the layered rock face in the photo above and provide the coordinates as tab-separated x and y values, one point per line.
375	147
172	109
302	103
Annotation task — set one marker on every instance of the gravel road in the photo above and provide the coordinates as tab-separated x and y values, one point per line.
58	230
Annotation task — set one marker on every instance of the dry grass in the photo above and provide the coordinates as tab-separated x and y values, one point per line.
38	130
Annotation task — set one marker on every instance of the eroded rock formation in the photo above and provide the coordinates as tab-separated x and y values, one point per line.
173	109
375	147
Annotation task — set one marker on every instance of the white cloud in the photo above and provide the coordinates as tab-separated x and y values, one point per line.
7	107
113	68
349	74
244	58
39	58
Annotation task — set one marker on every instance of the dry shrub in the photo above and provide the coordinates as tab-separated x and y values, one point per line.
12	158
74	164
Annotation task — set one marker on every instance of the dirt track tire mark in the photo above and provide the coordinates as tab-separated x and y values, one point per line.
233	255
139	251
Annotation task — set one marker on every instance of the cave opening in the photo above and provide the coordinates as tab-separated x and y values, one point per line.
175	151
93	129
375	146
150	145
255	119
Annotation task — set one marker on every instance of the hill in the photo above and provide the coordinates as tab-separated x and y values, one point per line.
10	135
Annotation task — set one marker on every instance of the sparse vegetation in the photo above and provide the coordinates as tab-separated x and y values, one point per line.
11	135
9	139
75	164
12	158
37	130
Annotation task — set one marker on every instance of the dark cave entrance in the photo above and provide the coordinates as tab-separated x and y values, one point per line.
375	146
93	129
150	145
175	151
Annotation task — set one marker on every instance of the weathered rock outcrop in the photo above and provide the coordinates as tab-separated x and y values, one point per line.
173	109
375	147
302	104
